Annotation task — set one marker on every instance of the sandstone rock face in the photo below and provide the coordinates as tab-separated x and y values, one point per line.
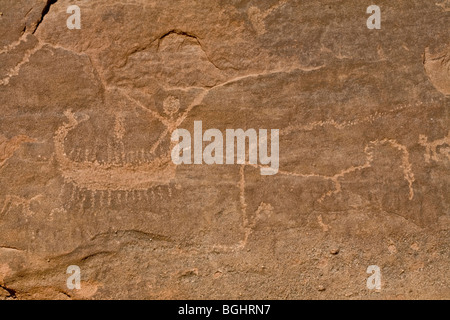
87	178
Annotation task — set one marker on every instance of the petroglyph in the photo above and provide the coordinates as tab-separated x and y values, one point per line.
81	198
171	105
15	44
95	176
257	17
122	177
406	168
437	150
119	128
249	225
9	146
344	124
325	227
363	149
26	58
444	5
437	67
15	201
130	172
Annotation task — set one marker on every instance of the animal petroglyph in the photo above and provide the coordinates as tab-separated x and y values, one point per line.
437	67
15	201
257	17
249	224
437	150
341	125
406	168
8	147
444	5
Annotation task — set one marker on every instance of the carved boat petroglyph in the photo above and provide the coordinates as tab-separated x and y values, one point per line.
96	176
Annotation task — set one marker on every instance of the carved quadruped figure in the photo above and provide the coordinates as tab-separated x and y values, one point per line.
9	146
437	150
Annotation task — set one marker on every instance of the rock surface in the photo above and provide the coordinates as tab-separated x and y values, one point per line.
86	176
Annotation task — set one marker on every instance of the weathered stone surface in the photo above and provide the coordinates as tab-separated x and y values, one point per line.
86	175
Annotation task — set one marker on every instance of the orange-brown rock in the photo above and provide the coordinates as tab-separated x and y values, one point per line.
86	176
